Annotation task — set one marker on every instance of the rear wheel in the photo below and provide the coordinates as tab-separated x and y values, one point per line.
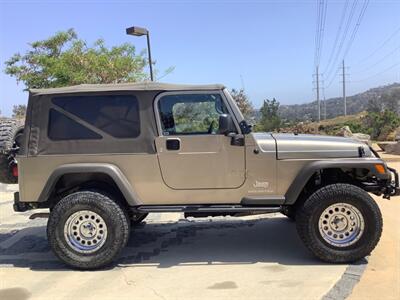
87	229
339	223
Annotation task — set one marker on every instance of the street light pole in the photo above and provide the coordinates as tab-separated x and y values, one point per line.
149	51
139	31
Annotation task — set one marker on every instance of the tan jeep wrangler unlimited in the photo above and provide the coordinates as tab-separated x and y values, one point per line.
101	157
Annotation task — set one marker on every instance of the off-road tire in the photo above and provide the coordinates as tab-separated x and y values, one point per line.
10	130
137	218
308	215
114	216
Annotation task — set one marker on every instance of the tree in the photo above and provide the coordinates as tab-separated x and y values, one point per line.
243	103
270	119
19	111
387	101
64	59
380	124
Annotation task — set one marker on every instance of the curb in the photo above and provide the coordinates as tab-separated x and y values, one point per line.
391	159
343	288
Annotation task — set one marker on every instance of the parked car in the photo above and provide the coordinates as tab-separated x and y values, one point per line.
101	157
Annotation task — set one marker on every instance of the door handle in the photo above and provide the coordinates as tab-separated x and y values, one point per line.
173	144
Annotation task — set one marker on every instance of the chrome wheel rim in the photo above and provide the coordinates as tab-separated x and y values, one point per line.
341	225
85	231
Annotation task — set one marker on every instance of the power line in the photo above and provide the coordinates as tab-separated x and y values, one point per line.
325	7
333	78
337	35
351	40
356	27
379	47
317	32
380	73
319	37
380	60
320	28
346	30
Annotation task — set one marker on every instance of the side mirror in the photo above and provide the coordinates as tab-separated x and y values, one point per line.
226	124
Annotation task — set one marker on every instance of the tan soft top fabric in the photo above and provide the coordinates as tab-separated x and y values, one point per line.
139	86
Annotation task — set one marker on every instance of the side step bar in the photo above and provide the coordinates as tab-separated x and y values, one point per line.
206	208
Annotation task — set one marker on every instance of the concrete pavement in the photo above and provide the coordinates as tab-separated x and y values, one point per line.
258	257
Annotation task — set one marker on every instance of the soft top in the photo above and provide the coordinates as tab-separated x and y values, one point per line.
139	86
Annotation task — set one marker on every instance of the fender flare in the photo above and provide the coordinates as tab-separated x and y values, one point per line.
308	170
109	169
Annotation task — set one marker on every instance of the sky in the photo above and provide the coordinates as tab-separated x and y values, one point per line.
265	47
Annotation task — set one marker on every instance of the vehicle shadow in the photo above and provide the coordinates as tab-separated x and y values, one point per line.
182	243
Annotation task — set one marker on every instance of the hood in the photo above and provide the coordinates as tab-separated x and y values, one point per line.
305	146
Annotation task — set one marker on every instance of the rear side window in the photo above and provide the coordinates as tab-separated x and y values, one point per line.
116	115
63	128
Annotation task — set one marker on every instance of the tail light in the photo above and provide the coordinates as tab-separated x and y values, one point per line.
14	170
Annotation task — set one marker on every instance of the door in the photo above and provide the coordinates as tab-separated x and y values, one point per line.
192	153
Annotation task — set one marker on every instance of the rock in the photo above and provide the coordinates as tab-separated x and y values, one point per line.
393	148
397	135
365	138
361	136
345	131
383	145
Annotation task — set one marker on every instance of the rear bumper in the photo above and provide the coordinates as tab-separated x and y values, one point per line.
20	206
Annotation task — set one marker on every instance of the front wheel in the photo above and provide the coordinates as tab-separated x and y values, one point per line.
340	223
87	230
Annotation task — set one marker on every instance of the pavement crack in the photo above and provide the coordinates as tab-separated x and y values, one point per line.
156	293
126	279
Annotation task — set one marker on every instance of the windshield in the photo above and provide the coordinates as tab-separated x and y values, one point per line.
235	108
244	125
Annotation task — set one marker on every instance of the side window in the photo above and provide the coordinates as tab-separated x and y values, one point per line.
191	113
117	115
63	128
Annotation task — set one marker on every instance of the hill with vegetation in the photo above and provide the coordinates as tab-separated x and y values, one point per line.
380	126
377	99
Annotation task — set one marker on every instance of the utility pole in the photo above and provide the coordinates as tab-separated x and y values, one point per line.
344	87
324	101
318	100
